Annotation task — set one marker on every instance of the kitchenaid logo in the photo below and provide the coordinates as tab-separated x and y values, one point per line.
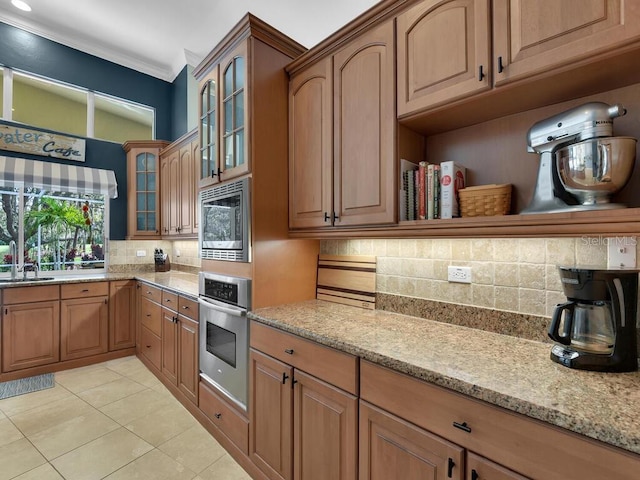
606	241
46	144
603	122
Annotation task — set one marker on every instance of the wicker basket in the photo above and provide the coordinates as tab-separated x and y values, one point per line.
485	200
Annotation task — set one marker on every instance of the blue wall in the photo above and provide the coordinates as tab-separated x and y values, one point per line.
25	51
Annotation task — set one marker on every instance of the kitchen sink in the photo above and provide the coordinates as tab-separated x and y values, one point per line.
30	279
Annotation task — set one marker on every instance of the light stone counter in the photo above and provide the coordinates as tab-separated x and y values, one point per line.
180	282
510	372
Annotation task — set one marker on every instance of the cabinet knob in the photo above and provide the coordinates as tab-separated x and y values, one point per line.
500	65
481	74
284	378
289	351
335	217
450	465
217	415
85	290
326	217
185	307
474	475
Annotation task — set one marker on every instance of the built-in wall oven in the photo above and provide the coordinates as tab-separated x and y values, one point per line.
224	232
224	334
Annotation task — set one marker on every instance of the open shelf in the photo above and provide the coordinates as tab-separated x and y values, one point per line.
609	223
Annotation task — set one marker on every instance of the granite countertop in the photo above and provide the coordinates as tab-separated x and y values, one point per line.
180	282
507	371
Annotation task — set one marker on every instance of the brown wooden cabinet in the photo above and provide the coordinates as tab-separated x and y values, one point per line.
150	324
84	319
362	163
393	448
188	346
179	188
443	52
533	37
143	188
507	442
302	426
169	340
122	314
27	310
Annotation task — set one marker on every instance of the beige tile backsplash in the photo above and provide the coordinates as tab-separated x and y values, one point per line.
181	252
516	275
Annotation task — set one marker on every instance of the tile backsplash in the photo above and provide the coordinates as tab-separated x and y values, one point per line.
123	254
515	275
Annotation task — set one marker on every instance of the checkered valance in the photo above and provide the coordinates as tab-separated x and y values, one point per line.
57	177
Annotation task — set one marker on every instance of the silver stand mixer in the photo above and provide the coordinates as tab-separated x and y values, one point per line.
581	163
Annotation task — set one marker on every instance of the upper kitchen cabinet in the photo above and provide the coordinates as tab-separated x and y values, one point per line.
143	189
538	36
179	187
342	135
232	81
443	52
543	52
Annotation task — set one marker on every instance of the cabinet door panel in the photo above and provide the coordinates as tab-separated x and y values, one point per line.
169	340
429	75
122	311
325	431
364	129
310	153
535	36
393	448
271	407
84	327
188	359
187	191
20	347
151	347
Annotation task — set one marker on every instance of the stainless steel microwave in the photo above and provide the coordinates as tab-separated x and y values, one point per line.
225	226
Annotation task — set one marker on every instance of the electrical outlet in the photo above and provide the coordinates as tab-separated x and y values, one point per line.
459	274
141	253
621	252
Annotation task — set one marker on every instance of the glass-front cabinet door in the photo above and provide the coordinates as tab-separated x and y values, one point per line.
209	168
143	188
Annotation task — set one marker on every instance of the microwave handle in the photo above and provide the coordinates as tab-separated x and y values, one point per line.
231	310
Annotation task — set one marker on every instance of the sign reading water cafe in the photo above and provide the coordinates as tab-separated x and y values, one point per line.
35	142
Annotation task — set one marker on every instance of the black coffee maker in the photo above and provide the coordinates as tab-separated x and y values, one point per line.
596	328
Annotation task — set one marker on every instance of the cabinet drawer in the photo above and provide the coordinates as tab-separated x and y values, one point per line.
188	307
170	300
150	292
228	420
530	447
41	293
332	366
151	347
151	316
84	289
479	468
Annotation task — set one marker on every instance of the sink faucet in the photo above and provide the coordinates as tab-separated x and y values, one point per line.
13	251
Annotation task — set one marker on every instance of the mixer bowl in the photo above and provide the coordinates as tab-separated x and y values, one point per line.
595	169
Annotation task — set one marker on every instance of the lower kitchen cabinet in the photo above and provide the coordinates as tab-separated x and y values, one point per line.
122	311
499	444
27	310
170	345
230	422
188	344
393	448
302	426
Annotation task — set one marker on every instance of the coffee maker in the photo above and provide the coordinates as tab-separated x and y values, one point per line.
596	328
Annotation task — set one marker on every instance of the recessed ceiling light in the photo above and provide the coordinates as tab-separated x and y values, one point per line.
21	5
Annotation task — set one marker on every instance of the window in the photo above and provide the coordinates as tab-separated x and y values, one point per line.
69	109
61	231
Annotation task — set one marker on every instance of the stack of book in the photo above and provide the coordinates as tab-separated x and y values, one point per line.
430	191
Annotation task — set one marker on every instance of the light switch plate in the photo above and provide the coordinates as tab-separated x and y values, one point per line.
621	252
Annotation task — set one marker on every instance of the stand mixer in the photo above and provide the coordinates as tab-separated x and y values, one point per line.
581	163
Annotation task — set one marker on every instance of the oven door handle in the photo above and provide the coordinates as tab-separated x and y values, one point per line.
231	310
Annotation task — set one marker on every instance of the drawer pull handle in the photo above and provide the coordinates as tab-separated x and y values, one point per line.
284	378
217	415
462	426
149	292
185	307
289	351
148	314
481	74
84	290
148	346
450	466
500	65
474	475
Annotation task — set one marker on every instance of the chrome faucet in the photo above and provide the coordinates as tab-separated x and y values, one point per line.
13	251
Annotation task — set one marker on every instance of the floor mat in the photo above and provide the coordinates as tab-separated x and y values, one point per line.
26	385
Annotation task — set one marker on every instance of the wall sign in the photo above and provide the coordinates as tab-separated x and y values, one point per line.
35	142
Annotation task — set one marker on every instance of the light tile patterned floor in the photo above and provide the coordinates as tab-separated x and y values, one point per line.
114	420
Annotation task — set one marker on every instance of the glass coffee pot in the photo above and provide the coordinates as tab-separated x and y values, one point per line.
596	328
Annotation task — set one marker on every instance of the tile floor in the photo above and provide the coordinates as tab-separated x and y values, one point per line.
114	420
